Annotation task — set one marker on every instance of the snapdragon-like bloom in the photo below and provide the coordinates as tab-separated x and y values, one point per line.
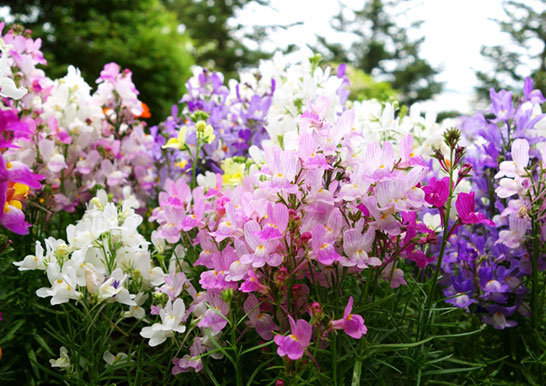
465	208
437	191
294	345
171	319
8	88
63	361
190	362
352	324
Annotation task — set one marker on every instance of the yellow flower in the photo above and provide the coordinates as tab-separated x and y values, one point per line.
208	134
233	172
181	164
178	142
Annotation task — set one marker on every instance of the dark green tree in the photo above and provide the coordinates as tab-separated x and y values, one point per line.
383	49
141	35
525	22
219	41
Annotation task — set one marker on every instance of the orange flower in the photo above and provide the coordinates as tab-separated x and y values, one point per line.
145	111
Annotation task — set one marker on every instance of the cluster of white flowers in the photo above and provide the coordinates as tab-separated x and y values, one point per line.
103	253
297	84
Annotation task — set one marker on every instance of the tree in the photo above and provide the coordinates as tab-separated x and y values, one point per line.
141	35
384	50
526	24
219	43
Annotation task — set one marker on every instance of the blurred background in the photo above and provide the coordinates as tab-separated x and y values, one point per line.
443	54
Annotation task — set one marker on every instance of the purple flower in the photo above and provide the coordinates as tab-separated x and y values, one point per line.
294	345
501	105
497	317
531	95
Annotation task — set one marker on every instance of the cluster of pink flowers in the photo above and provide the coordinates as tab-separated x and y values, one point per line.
306	217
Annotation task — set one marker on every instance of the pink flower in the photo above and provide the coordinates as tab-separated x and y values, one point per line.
253	284
352	324
465	209
262	322
216	278
294	345
192	220
323	246
264	251
215	316
277	220
379	160
308	153
174	284
192	361
356	246
283	167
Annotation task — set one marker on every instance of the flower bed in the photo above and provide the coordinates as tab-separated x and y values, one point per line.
269	230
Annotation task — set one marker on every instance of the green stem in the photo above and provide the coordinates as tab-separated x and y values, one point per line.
430	295
536	311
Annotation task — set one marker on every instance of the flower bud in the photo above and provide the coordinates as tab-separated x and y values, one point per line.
61	251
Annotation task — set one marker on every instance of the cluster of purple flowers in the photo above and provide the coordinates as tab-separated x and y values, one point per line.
237	116
492	267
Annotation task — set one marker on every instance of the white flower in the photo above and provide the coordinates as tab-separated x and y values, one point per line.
63	287
112	290
137	311
432	221
32	262
7	85
63	361
111	359
171	317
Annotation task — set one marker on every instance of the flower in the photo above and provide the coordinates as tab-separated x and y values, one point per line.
8	88
171	318
63	361
112	359
465	209
294	345
352	324
437	191
180	141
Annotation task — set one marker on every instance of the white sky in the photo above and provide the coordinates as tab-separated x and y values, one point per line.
454	31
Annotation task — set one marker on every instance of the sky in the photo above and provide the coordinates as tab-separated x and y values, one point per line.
454	31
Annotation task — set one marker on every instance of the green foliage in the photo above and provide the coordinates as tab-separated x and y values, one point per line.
217	42
364	86
140	35
524	22
384	50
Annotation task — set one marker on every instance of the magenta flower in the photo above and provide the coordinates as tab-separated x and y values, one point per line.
352	324
465	209
437	191
294	344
